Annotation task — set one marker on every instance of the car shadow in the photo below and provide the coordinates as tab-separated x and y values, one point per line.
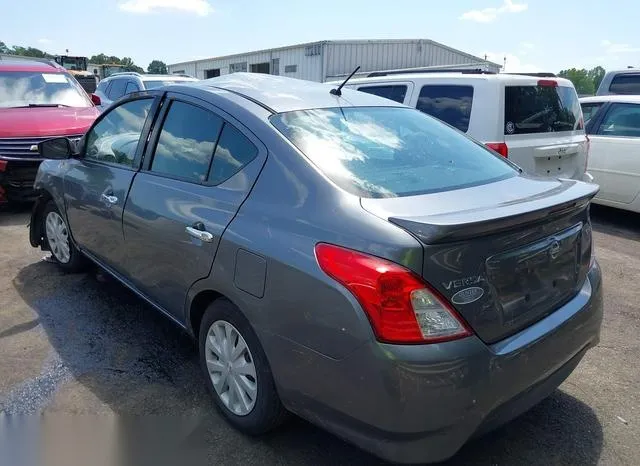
138	363
616	222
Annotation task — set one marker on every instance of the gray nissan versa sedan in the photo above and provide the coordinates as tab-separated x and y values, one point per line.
337	255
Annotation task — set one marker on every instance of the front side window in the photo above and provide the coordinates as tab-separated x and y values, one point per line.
395	92
451	104
625	84
544	108
36	89
389	151
186	143
131	87
621	120
114	139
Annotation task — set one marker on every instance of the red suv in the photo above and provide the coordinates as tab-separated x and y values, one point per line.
38	100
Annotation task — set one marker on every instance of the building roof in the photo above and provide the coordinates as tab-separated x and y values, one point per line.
281	94
354	42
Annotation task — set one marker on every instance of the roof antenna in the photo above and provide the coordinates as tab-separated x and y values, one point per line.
338	91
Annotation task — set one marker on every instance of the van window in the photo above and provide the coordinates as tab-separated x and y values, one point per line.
622	120
590	109
396	92
389	151
541	109
627	84
451	104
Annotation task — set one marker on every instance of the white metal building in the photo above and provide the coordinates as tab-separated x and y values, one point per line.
328	60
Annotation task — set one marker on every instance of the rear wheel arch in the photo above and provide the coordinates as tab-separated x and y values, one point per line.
198	306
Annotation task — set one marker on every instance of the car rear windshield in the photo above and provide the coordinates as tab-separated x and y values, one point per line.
25	89
627	84
390	152
541	109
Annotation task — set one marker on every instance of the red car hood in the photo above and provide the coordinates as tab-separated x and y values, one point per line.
38	122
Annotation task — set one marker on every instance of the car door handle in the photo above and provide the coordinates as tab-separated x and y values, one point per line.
200	234
109	199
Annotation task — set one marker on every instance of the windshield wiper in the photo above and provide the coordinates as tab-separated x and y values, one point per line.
42	105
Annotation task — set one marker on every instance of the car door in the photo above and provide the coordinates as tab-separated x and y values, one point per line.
199	167
614	157
97	183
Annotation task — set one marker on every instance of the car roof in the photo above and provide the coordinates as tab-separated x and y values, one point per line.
26	65
172	77
500	77
632	99
625	71
280	94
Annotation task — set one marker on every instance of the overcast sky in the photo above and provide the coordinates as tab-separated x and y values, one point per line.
534	35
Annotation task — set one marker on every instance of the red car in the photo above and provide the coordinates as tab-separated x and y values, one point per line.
38	100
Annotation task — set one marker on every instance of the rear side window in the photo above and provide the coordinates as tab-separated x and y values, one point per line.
627	84
117	89
131	87
233	152
621	120
389	151
186	142
541	109
451	104
396	92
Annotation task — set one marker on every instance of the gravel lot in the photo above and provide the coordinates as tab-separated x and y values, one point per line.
82	344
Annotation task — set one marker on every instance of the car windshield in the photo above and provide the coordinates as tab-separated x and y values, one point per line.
163	82
390	152
34	89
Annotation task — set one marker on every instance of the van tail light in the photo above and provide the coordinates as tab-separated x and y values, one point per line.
500	147
547	83
3	165
401	307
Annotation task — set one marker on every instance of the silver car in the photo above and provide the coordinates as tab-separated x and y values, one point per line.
335	254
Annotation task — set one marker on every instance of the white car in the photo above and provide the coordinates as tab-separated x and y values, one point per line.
613	126
535	121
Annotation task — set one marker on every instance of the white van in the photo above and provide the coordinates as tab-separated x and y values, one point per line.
535	121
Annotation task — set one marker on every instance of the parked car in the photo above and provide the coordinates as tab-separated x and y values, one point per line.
625	82
38	100
534	121
120	84
614	131
343	257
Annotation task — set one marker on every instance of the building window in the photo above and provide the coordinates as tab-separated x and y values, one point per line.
260	68
291	69
275	66
214	73
238	67
178	72
311	50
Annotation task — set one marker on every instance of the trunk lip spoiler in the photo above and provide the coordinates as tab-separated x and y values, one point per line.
441	228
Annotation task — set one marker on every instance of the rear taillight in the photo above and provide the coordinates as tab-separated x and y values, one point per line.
586	157
401	307
500	147
3	165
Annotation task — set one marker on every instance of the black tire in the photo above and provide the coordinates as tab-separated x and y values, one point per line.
267	412
76	262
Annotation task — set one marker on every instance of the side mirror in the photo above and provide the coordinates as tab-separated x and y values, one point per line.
56	149
96	100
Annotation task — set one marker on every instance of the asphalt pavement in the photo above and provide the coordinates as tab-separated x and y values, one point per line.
81	344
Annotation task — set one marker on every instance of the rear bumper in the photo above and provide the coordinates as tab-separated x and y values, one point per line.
413	404
17	179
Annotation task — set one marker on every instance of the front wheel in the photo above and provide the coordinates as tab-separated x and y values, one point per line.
58	239
236	370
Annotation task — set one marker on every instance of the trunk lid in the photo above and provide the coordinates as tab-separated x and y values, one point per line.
506	254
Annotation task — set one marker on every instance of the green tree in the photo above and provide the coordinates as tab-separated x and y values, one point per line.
129	65
157	67
580	79
596	75
4	48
